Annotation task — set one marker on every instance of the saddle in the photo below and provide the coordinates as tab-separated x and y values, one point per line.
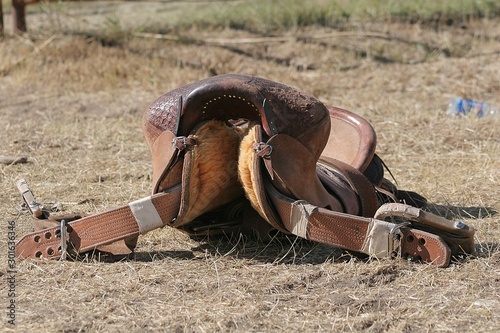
242	154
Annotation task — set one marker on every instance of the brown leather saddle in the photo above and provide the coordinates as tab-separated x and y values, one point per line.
237	153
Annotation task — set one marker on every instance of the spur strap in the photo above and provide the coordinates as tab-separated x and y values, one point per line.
87	233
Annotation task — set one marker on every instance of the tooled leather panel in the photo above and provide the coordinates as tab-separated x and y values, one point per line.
163	113
240	96
88	233
337	229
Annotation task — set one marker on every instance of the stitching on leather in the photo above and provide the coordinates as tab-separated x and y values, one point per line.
225	96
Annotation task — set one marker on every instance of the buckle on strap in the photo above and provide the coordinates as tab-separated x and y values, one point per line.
262	149
183	142
63	233
393	237
457	235
417	245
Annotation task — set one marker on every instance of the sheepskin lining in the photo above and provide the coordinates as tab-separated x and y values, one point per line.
213	179
246	161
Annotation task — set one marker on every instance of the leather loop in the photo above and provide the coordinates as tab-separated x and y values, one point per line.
253	179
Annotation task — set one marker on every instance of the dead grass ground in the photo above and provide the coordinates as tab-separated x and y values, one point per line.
73	104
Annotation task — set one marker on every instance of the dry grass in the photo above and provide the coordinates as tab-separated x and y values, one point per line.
73	106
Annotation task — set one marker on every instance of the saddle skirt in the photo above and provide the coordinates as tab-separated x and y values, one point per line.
238	153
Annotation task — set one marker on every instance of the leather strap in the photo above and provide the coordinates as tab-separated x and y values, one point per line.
458	235
104	228
360	234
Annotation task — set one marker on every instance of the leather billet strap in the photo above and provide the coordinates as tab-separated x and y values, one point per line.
88	233
370	236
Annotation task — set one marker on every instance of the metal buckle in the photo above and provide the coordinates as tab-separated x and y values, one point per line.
263	149
182	142
394	236
178	142
64	239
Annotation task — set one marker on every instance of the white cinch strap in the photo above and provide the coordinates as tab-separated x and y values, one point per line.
299	217
377	239
146	215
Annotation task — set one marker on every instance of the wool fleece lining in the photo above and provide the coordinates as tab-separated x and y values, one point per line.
212	168
246	171
219	168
